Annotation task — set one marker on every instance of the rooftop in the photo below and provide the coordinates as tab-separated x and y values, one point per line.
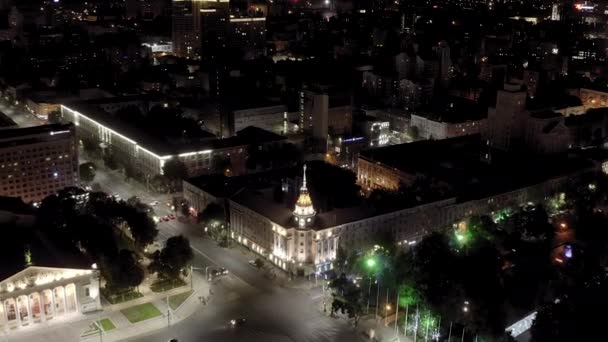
17	133
164	145
261	201
6	121
454	110
457	163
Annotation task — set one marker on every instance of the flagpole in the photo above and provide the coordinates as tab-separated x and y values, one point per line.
450	333
397	315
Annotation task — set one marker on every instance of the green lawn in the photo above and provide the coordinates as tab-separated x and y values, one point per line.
176	300
106	324
141	312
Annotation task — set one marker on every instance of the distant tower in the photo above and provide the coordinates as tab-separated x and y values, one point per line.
304	213
445	63
505	122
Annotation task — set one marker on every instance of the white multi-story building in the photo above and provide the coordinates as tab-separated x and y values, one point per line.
429	128
148	153
38	161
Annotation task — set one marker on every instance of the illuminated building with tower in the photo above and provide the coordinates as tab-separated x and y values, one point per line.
304	212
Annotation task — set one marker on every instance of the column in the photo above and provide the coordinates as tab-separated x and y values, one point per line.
30	318
42	308
17	313
4	314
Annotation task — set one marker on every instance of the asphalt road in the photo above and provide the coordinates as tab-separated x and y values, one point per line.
274	309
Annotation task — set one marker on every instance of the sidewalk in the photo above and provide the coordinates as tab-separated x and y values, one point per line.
72	328
375	330
125	329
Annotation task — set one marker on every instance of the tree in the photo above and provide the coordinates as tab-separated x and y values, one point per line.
142	227
160	183
347	298
124	271
175	170
173	258
576	315
412	131
109	160
131	172
213	213
87	172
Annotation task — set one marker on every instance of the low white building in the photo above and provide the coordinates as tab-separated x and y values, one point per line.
38	294
437	129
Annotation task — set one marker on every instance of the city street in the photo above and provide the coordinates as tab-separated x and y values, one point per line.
274	311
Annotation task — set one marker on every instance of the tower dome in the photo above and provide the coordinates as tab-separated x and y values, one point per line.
304	211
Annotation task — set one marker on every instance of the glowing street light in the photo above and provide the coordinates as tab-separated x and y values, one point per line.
371	262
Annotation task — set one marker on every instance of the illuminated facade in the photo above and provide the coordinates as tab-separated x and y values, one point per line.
38	161
148	158
593	98
38	294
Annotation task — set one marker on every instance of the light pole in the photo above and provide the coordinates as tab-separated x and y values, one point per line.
397	315
370	263
450	333
386	308
168	313
377	298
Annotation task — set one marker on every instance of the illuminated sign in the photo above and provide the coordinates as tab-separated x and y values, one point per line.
353	139
59	132
584	7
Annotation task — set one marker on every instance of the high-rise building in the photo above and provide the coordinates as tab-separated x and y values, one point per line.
248	35
445	63
38	161
505	124
324	112
191	21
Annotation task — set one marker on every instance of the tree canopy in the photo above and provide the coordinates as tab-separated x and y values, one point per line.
172	260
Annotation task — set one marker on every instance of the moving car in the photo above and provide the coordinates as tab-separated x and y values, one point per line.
237	322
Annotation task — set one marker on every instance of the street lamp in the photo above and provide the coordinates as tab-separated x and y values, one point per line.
370	263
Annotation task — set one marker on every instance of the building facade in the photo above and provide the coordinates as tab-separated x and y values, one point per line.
148	160
248	34
291	241
38	161
593	98
436	129
38	294
372	174
505	123
190	17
